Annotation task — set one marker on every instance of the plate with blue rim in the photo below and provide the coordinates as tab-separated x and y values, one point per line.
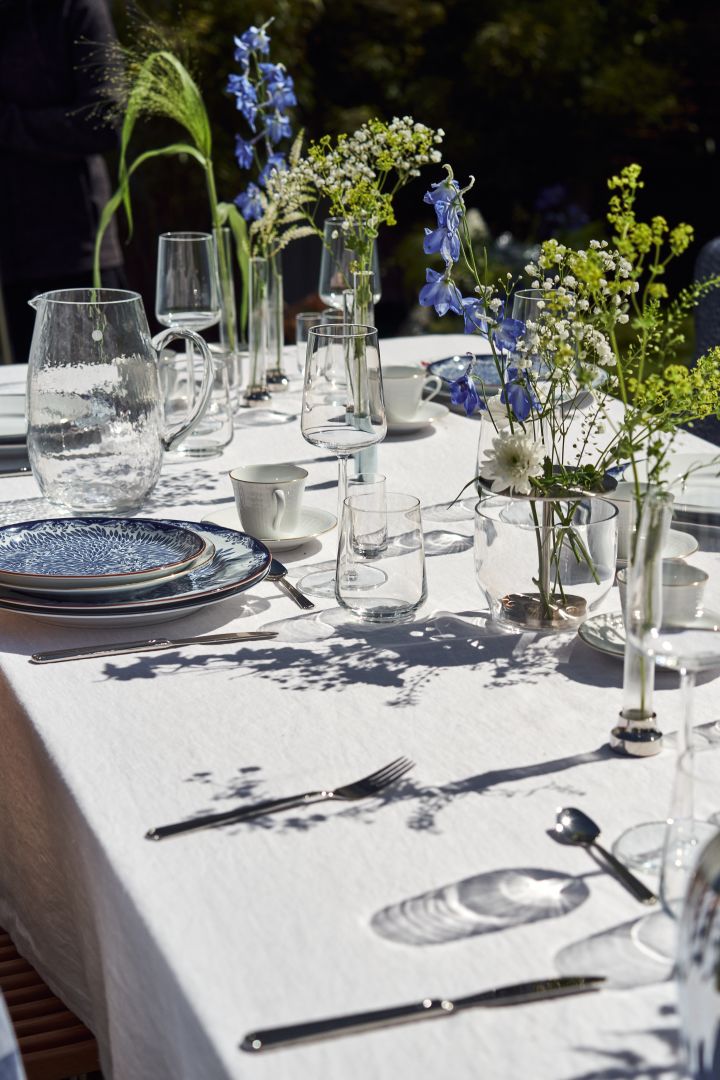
240	561
94	551
483	369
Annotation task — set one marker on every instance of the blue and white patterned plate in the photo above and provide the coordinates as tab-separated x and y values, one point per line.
82	592
451	368
239	562
94	551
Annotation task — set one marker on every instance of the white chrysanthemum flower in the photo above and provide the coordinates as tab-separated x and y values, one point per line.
514	459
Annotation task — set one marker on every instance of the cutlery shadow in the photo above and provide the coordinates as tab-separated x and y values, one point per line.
483	904
247	785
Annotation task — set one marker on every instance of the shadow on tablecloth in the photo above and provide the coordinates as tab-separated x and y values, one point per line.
483	904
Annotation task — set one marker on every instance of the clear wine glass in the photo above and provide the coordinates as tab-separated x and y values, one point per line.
343	409
339	259
187	294
187	291
677	626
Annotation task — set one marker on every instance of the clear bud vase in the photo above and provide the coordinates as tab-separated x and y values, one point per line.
636	733
228	321
256	392
276	377
359	307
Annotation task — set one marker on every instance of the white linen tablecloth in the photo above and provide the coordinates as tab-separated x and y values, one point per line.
172	951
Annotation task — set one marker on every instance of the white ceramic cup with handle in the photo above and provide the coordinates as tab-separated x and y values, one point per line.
269	499
683	589
403	386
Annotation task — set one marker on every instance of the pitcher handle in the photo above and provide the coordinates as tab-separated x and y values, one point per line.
176	434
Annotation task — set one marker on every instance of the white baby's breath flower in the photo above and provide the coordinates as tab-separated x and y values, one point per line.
514	459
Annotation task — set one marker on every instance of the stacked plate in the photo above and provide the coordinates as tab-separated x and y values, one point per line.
123	571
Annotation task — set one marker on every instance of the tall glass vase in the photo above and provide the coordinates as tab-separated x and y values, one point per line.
229	347
276	376
636	733
359	308
256	392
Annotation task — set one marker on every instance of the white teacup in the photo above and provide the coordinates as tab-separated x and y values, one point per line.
403	386
683	587
269	498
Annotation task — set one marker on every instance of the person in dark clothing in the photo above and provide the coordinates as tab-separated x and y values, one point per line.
53	179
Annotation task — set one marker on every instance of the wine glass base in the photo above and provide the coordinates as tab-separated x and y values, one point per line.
641	847
322	582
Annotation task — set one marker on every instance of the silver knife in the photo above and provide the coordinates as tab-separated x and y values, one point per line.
88	651
427	1009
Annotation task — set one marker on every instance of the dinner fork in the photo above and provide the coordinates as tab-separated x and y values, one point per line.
360	789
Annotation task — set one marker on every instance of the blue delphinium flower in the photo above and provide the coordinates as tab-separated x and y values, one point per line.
273	163
518	393
256	39
249	204
242	52
443	242
244	152
474	314
277	127
280	86
464	392
263	92
441	293
245	97
507	333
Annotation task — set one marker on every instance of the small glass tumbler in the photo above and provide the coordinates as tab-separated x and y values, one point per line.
372	486
179	379
304	321
381	558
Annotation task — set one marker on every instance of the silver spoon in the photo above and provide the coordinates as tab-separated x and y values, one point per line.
278	574
574	827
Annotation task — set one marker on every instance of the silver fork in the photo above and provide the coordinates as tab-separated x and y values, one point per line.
360	789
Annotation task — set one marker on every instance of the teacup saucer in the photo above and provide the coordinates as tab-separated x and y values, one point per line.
678	545
428	412
313	523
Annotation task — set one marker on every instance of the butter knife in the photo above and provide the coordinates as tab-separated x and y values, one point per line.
151	644
427	1009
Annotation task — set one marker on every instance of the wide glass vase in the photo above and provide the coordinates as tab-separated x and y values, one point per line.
544	563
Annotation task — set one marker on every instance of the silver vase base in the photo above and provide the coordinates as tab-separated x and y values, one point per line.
255	395
277	379
636	735
531	611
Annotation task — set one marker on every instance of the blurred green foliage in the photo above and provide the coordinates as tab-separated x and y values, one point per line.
530	95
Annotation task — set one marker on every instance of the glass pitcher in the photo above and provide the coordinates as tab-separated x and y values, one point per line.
96	426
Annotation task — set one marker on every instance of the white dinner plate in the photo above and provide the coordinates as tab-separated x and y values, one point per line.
428	413
606	633
313	523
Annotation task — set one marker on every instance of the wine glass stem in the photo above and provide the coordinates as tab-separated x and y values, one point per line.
342	487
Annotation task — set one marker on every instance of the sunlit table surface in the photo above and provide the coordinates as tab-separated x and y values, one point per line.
171	952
